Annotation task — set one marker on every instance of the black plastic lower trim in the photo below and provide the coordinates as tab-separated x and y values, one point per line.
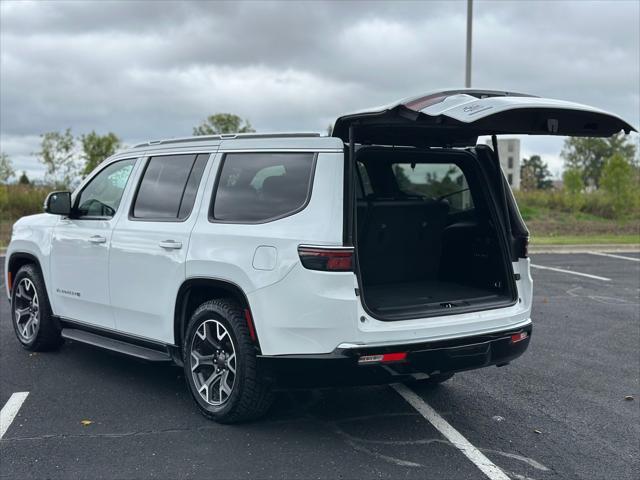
341	367
125	348
143	349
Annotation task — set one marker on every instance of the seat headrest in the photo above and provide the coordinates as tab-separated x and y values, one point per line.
274	186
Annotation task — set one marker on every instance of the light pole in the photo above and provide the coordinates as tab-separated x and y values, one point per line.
467	73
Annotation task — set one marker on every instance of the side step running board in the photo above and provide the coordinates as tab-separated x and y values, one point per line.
143	353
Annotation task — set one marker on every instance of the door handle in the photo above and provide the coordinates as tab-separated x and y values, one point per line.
97	239
170	244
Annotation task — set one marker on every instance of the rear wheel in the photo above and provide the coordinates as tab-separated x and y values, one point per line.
220	364
31	313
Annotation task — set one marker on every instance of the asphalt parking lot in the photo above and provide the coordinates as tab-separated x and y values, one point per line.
557	412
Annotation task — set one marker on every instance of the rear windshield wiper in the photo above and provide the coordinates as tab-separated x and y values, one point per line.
453	193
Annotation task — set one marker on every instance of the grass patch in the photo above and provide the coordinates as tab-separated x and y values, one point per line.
585	240
5	233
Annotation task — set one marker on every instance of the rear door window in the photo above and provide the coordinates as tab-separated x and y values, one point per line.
168	187
441	181
258	187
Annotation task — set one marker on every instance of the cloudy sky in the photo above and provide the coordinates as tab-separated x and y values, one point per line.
148	70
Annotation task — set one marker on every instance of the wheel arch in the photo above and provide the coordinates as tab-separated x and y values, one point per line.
195	291
19	259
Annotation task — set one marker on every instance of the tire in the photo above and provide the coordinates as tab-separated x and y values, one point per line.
433	380
34	326
221	368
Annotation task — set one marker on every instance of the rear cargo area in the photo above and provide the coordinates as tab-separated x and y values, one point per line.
427	235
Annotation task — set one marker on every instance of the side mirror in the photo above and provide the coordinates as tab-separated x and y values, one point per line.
58	203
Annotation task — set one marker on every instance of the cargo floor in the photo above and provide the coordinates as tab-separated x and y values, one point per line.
414	295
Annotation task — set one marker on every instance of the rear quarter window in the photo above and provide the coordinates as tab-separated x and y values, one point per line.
260	187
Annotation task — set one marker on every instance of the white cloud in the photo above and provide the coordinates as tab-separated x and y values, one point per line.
156	72
22	149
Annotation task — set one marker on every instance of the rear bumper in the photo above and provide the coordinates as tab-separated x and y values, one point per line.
341	367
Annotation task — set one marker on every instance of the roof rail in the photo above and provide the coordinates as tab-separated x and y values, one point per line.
225	136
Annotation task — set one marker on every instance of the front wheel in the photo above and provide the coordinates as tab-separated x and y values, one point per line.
220	364
31	313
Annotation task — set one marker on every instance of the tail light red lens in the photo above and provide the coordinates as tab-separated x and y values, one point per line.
327	259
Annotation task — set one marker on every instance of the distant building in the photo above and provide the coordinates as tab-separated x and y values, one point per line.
509	153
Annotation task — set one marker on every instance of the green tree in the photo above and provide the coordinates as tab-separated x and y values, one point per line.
95	148
438	187
57	154
573	186
6	168
527	179
24	180
402	179
619	184
223	123
535	174
590	154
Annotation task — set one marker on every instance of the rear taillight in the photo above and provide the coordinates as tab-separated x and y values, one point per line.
328	259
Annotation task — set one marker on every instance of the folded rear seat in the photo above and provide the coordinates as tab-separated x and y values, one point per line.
401	240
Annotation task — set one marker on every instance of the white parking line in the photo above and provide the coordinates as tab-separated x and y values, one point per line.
485	465
621	257
10	410
580	274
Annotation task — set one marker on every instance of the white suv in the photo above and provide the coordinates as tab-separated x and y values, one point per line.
391	251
